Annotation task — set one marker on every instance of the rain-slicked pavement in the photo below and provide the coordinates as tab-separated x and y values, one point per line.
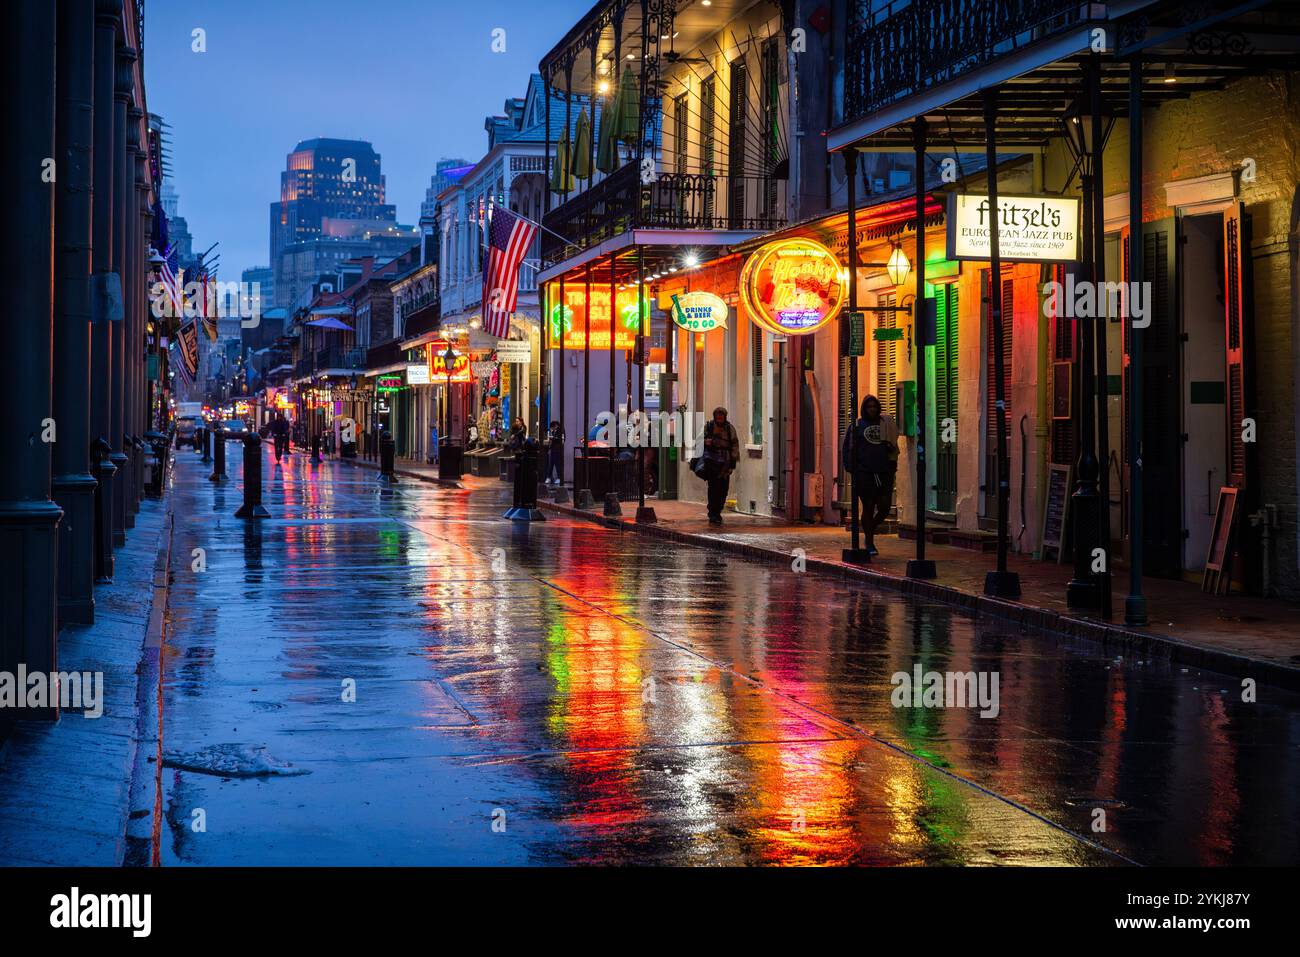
565	693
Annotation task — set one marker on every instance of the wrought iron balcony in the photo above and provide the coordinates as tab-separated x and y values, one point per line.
685	201
336	357
898	49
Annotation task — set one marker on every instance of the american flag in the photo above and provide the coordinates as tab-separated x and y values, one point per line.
509	238
172	282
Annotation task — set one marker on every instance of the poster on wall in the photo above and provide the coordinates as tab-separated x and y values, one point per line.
792	286
1031	228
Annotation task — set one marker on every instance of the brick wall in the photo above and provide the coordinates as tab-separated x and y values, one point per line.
1256	119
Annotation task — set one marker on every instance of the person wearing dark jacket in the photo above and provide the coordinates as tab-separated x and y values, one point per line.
870	456
721	453
518	436
555	454
280	432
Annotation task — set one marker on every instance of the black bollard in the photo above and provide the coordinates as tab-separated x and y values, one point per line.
387	449
525	491
207	444
252	507
219	456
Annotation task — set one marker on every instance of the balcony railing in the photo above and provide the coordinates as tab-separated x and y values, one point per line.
340	358
686	201
898	49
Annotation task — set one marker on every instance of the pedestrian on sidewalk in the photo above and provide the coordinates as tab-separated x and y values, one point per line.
870	456
518	436
721	453
555	454
280	432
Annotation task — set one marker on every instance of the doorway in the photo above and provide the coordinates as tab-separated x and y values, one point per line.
1204	392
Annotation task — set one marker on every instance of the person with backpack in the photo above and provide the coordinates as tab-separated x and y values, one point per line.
870	456
719	459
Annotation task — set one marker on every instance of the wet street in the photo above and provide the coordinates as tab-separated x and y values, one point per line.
376	676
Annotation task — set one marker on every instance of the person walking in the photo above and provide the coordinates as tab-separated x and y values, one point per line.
555	454
280	433
870	456
721	453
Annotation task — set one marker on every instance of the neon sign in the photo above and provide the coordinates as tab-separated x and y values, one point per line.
699	311
460	368
792	286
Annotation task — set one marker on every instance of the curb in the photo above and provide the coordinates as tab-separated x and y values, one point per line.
1119	637
144	822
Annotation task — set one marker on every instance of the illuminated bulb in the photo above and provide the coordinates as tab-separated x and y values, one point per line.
604	86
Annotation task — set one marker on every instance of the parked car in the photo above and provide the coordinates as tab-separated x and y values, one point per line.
187	430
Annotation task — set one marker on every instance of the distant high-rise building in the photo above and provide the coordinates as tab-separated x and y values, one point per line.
445	173
330	190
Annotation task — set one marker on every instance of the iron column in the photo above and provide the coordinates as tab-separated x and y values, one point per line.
1000	583
105	285
29	520
73	485
920	567
1135	605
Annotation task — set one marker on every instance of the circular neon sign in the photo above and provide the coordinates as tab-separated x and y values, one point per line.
792	286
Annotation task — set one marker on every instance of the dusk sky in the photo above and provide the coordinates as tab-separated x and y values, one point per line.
414	77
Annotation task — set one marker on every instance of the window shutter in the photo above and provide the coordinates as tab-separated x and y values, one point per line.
1063	450
1008	303
1236	354
887	362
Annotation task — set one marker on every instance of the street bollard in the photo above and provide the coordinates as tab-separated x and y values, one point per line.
252	507
219	457
315	450
207	445
387	449
613	508
525	492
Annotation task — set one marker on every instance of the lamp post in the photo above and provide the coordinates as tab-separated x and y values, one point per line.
1085	135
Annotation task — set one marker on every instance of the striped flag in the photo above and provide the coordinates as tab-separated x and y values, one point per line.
171	281
509	238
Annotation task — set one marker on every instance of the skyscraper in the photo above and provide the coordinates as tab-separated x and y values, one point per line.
331	192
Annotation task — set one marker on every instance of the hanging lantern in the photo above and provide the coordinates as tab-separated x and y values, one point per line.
898	266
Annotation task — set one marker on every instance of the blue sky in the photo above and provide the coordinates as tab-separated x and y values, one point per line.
414	77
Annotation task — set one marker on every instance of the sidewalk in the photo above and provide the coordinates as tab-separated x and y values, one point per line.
1235	634
65	786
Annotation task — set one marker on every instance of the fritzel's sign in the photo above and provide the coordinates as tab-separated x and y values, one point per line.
1030	228
699	311
792	286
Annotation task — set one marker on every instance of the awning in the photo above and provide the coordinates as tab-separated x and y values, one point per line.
329	322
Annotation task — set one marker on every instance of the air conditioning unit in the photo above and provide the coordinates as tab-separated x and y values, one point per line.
814	489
